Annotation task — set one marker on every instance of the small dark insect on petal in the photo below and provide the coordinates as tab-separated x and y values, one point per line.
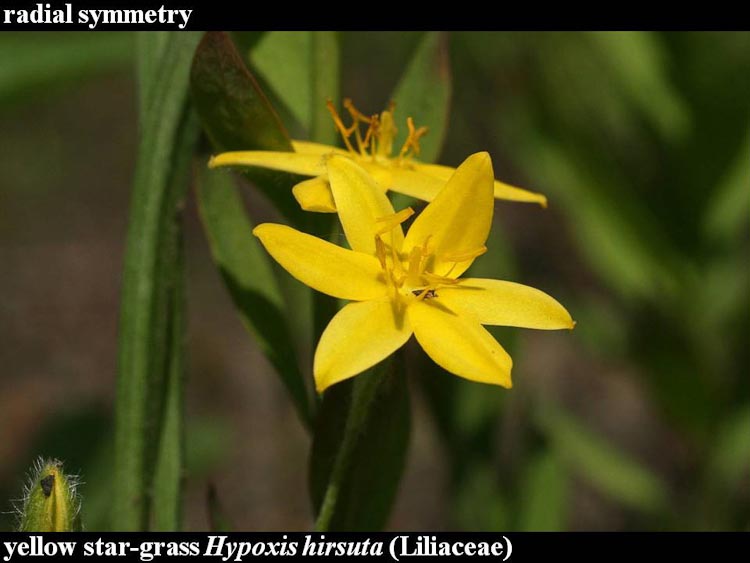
47	483
428	293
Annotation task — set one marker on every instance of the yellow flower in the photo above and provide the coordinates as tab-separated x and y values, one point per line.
400	173
403	285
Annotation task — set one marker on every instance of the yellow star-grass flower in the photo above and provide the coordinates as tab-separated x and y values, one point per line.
399	173
403	285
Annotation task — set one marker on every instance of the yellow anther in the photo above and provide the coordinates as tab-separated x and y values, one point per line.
373	131
345	133
381	130
357	115
386	133
380	251
412	140
464	255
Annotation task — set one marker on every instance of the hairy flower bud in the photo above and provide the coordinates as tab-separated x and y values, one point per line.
50	502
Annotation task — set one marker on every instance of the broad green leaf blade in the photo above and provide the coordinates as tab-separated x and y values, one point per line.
234	112
302	70
236	115
284	59
424	93
246	270
359	449
544	494
36	63
167	140
607	468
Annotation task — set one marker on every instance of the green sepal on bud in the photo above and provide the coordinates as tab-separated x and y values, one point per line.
50	502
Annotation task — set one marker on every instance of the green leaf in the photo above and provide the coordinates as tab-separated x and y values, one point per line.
606	467
359	449
236	115
150	48
302	70
36	63
424	93
543	497
325	72
284	60
168	136
170	462
631	254
636	59
246	270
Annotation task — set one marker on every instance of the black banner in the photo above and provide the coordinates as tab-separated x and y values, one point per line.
201	15
380	546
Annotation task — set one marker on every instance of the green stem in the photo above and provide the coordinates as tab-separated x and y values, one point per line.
364	391
168	136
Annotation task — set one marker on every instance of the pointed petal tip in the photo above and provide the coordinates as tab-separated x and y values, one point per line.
212	161
258	230
481	158
323	381
319	385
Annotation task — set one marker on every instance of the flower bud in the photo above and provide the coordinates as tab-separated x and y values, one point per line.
50	502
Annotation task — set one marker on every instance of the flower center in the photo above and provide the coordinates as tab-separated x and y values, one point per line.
411	277
380	131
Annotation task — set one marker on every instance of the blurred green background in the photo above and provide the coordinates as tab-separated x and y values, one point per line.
638	419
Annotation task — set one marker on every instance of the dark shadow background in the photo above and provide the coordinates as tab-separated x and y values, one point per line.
639	419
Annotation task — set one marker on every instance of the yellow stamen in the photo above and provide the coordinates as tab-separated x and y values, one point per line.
380	132
415	262
412	140
345	133
380	251
435	280
394	220
464	255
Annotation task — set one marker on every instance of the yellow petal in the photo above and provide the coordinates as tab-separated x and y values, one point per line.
416	183
294	162
502	190
319	149
459	344
360	203
459	218
512	193
358	337
315	195
504	303
323	266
